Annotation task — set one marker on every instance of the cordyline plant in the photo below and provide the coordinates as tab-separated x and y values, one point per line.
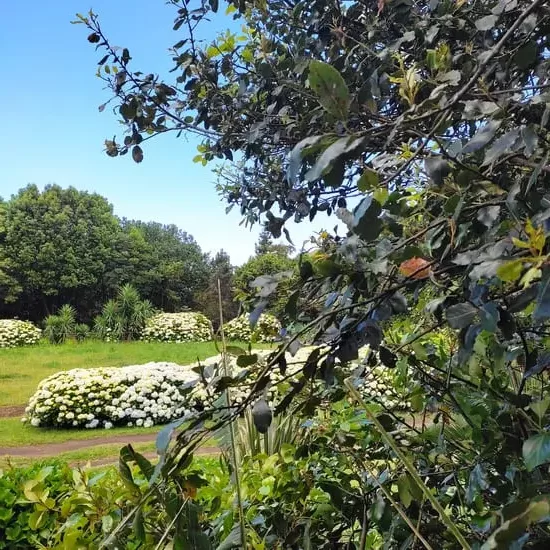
431	120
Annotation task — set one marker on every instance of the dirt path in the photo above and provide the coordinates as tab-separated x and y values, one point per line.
9	411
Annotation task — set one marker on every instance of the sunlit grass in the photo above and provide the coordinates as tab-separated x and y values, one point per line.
13	433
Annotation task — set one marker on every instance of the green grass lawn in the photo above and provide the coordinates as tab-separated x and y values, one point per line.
21	369
13	433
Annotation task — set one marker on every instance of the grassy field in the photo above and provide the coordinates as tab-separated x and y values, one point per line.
15	434
21	369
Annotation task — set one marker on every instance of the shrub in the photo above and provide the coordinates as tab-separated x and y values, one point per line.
156	393
50	505
141	395
14	333
123	318
81	332
266	330
178	327
60	327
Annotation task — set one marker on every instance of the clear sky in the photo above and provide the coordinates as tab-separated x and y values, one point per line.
52	131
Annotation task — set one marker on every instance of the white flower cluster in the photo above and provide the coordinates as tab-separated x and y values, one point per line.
156	393
178	327
377	382
140	395
266	330
15	333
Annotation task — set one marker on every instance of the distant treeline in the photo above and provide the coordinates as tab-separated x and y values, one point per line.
65	246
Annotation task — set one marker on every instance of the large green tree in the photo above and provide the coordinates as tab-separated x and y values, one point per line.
431	118
55	246
168	268
220	269
64	246
249	276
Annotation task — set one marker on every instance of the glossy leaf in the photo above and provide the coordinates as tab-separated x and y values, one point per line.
330	88
461	315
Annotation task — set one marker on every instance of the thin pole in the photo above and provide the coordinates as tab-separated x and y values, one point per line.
231	427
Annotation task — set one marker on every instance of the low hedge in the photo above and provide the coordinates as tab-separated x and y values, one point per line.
178	327
50	505
266	330
15	333
140	395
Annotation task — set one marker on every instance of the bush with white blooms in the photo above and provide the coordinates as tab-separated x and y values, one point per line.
266	330
14	333
138	395
178	327
157	393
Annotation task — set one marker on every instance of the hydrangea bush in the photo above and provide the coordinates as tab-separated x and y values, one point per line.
178	327
14	333
266	330
156	393
140	395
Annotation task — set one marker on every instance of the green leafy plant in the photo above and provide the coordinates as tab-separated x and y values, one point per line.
423	126
60	327
123	318
81	332
50	505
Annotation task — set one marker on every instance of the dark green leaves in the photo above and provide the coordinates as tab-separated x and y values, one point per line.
536	450
503	145
482	137
331	154
437	169
387	357
461	315
517	517
486	23
366	221
368	181
233	540
244	360
526	55
542	309
330	88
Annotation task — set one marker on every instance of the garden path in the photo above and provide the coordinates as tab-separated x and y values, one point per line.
10	411
54	449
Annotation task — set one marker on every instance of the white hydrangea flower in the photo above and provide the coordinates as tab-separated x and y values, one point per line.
266	330
15	333
178	327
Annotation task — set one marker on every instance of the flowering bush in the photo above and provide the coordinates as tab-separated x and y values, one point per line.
156	393
178	327
141	395
266	330
15	333
377	381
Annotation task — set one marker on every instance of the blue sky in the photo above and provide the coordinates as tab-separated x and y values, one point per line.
52	131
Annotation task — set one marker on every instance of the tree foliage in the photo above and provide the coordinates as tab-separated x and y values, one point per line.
54	246
64	246
424	127
220	269
253	272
